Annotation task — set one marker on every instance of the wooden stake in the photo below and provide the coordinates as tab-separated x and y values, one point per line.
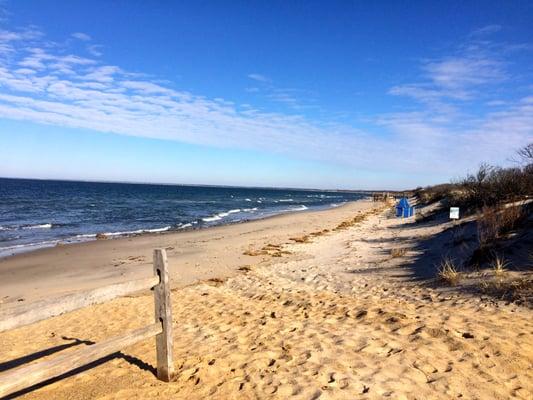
163	315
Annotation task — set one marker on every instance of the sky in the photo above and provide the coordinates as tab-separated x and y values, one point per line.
332	95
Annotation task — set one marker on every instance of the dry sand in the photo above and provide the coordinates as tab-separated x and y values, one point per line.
338	318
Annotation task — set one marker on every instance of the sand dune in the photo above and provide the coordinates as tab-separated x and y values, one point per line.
337	319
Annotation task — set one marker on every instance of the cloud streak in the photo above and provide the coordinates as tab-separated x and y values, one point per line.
81	36
41	84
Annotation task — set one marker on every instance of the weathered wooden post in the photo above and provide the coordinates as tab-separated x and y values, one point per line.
163	315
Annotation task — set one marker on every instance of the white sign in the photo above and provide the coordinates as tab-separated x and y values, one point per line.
454	212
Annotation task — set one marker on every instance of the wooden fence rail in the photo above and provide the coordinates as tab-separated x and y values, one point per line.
24	377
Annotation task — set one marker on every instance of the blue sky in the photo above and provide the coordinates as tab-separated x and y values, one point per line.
302	94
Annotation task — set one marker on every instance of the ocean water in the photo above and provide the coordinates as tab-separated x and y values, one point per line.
40	213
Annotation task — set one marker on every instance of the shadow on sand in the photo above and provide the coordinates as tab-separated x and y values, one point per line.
75	342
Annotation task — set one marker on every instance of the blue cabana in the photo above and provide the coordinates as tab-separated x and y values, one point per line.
403	209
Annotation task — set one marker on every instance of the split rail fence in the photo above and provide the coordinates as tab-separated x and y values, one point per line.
25	377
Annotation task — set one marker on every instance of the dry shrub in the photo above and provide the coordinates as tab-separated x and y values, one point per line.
519	290
448	272
511	217
398	252
496	220
432	194
489	186
495	185
487	226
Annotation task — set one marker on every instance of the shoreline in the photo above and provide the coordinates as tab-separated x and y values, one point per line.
194	254
10	251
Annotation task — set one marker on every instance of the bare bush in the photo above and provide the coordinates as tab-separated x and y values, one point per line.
493	185
488	186
526	153
518	290
487	226
432	194
495	221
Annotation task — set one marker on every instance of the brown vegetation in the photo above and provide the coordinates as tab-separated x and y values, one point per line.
499	266
489	186
495	221
398	252
273	250
518	290
300	239
448	272
501	201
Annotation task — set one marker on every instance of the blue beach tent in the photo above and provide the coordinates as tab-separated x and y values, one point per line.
403	209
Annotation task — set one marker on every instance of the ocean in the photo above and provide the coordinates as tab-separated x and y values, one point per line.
43	213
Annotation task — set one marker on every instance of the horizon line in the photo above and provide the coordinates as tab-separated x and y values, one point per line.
206	185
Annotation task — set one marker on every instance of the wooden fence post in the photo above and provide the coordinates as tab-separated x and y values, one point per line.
163	315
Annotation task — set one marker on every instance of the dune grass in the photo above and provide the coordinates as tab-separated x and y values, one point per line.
448	272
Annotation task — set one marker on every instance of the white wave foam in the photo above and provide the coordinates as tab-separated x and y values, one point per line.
221	215
285	200
20	248
185	226
247	199
155	230
301	207
211	219
39	226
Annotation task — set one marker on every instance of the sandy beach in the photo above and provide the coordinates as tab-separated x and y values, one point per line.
201	254
308	305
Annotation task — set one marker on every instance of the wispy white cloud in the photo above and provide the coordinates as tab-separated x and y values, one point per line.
45	86
486	30
81	36
294	99
258	77
458	77
442	124
95	50
461	73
